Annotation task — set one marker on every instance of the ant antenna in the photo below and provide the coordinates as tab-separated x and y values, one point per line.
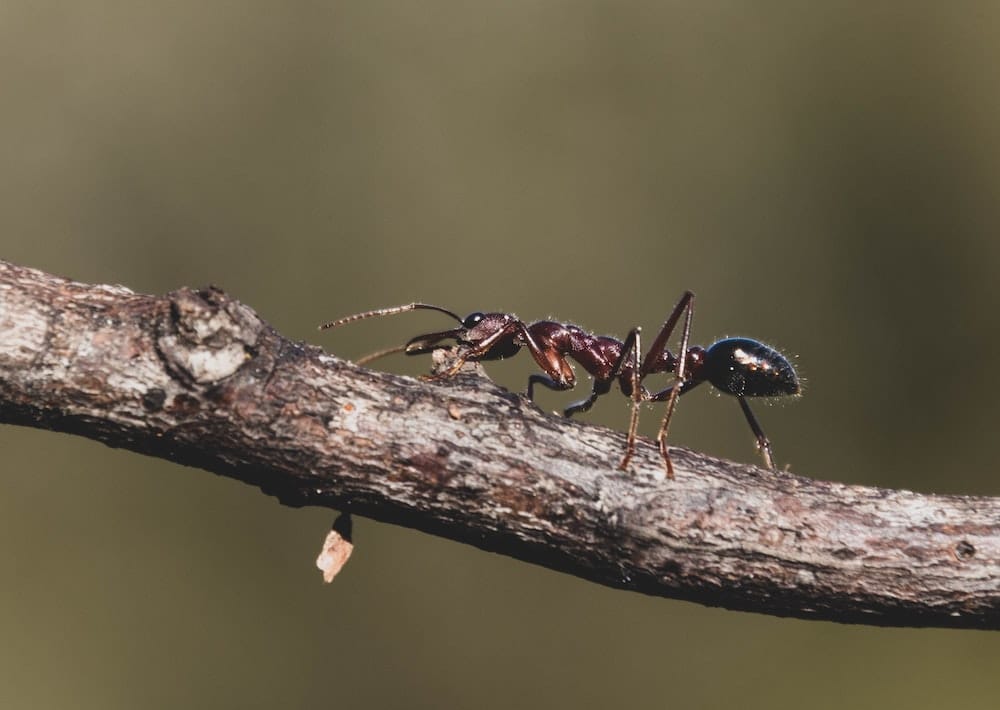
388	312
379	354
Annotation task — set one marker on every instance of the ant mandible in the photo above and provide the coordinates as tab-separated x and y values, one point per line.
741	367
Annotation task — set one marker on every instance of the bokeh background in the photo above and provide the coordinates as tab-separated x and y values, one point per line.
824	175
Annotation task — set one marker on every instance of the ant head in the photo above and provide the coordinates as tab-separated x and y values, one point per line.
479	326
473	330
748	368
472	320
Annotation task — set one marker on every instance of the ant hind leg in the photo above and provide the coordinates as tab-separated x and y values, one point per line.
763	443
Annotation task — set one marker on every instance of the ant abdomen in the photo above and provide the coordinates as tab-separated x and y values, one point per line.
747	368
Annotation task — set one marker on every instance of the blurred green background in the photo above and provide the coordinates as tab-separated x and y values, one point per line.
824	175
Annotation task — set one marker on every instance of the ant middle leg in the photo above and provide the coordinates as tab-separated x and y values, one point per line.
549	382
627	357
632	345
600	387
685	306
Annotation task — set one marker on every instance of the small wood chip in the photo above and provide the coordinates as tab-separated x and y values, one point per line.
337	548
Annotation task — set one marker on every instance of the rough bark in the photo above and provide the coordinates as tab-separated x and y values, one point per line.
196	377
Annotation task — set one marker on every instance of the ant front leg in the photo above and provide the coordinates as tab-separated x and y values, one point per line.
558	373
547	382
600	387
460	360
475	351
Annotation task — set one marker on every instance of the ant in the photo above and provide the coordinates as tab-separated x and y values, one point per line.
736	366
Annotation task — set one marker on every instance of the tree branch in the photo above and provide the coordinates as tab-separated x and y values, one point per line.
196	377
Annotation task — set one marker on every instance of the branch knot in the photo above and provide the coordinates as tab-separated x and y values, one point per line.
208	336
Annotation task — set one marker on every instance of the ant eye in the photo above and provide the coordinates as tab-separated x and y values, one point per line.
472	320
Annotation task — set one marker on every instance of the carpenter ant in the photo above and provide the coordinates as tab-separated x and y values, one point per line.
737	366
